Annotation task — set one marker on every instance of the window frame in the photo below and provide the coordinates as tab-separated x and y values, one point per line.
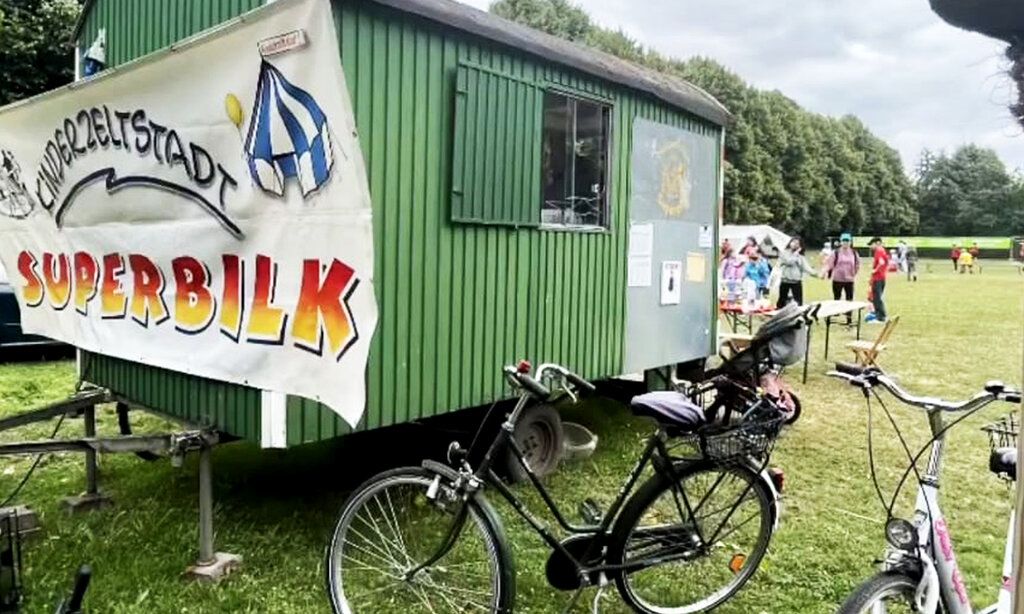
606	209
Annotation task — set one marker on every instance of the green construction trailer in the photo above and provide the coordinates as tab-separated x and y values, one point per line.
527	193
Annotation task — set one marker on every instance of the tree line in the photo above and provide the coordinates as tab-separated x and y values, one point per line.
806	173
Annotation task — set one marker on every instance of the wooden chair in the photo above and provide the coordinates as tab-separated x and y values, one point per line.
865	352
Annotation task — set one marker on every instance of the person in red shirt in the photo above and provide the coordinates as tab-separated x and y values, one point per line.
878	271
954	254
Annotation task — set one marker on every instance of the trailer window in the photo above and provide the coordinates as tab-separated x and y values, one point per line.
574	162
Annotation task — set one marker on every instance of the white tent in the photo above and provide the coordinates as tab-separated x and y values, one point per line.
770	239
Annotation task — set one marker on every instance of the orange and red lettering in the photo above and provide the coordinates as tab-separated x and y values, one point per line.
112	299
57	276
147	291
32	292
266	323
194	305
231	310
322	310
87	273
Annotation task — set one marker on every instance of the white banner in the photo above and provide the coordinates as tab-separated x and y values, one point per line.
205	210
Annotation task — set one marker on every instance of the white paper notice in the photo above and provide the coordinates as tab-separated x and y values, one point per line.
671	280
639	272
706	238
641	240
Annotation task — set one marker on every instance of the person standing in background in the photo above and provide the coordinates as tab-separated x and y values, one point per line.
826	254
954	255
901	254
792	266
975	252
732	273
758	271
879	269
966	262
843	267
911	263
749	247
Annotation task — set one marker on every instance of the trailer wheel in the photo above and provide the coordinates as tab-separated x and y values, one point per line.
539	435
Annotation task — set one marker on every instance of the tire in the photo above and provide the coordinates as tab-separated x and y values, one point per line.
480	554
686	580
539	435
882	586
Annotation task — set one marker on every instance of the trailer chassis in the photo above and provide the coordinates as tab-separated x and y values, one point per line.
210	565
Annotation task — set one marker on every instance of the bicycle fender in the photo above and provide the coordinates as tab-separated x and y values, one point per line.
489	514
776	504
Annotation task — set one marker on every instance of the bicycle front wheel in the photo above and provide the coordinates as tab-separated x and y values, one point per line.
886	593
689	545
396	522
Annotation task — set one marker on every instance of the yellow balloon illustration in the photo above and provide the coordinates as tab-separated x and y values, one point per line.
234	110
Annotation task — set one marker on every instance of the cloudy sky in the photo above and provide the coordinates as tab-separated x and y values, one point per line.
916	81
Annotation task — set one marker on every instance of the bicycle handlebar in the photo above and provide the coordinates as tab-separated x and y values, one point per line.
866	377
532	385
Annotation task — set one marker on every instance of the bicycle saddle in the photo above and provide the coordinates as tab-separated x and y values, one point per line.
1003	462
670	409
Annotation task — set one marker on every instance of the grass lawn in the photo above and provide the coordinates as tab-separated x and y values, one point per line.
277	508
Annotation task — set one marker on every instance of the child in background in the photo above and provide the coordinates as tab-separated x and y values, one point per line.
966	262
732	273
954	254
911	263
758	271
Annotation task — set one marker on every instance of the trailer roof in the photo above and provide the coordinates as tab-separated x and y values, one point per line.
676	92
1003	19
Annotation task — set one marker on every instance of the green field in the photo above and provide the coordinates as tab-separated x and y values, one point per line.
941	242
277	508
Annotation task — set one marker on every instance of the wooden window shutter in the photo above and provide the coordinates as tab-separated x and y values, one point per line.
497	148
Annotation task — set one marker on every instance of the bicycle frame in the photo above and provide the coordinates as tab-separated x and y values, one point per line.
655	453
942	577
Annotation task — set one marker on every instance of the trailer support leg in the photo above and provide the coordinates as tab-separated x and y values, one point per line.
92	499
211	566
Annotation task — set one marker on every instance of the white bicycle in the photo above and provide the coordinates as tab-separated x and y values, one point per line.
919	572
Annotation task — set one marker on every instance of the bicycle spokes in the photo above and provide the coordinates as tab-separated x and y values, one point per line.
697	541
396	554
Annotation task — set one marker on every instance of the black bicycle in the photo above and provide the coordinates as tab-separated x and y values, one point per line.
426	539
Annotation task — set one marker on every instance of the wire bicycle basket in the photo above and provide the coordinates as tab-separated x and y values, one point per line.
726	442
1003	432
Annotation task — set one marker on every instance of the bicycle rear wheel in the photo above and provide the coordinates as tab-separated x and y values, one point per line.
689	545
394	523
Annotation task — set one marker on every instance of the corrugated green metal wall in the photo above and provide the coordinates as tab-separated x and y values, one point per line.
137	27
456	301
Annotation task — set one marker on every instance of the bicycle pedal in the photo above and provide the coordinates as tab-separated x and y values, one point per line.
590	511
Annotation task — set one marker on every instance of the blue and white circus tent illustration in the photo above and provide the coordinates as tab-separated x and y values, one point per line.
288	136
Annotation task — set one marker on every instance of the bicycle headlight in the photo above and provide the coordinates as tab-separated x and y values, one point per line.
901	534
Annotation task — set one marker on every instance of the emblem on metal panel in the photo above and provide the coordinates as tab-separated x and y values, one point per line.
674	192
